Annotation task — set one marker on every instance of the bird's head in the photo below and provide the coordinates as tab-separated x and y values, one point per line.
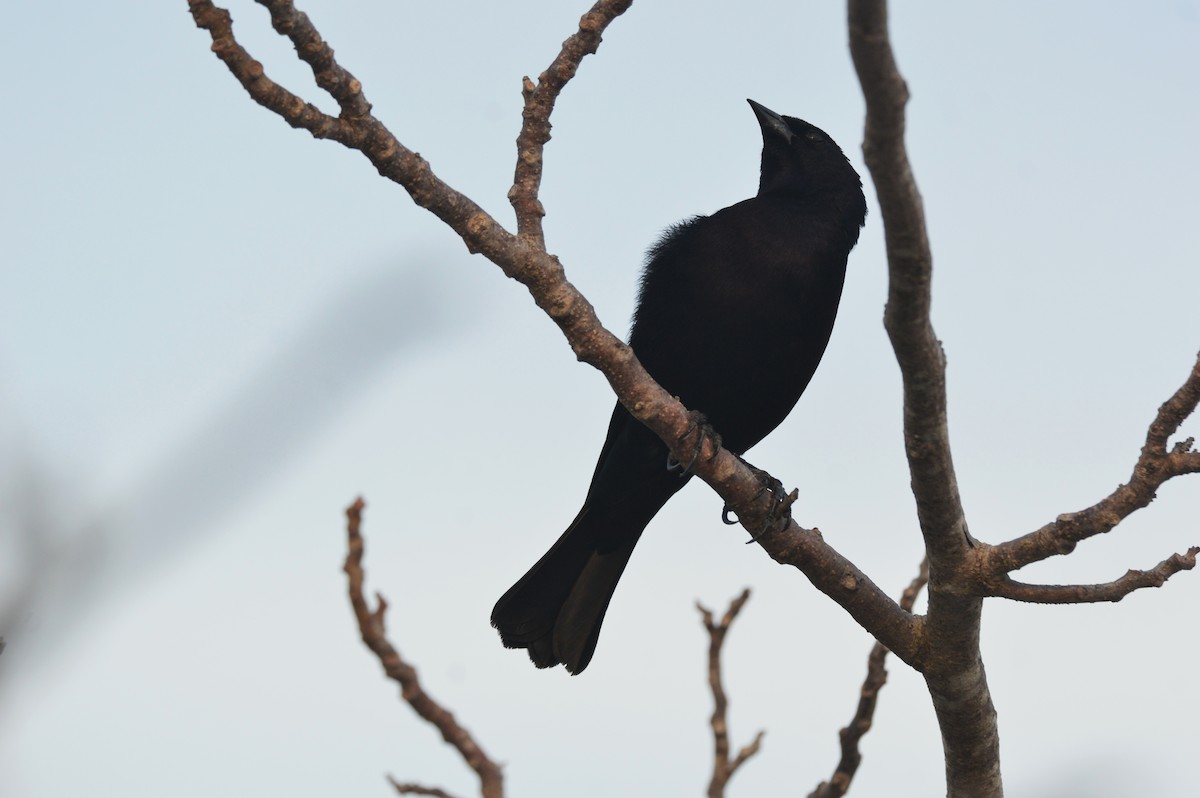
801	159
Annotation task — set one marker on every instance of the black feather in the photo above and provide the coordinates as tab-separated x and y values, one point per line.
733	317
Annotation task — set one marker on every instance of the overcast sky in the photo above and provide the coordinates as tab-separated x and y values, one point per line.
216	331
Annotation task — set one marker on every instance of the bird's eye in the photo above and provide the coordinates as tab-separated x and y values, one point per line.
812	135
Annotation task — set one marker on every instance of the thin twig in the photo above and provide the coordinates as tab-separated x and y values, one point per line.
864	714
535	118
1155	465
264	91
723	766
312	50
372	628
417	789
1107	591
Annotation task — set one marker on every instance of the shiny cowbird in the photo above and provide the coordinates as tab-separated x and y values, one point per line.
734	315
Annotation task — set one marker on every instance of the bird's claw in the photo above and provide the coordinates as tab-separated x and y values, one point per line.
779	510
700	427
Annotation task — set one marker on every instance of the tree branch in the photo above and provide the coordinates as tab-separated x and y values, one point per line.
417	789
374	634
1155	465
1090	594
910	273
535	118
864	714
312	50
723	766
950	658
264	91
524	259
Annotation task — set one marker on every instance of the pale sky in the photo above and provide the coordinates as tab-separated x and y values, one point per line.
216	331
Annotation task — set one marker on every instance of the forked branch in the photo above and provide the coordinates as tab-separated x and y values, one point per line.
1155	465
535	118
723	766
864	715
374	634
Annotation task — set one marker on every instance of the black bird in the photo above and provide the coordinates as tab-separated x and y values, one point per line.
734	315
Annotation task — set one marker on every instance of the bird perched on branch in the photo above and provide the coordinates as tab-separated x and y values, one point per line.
733	317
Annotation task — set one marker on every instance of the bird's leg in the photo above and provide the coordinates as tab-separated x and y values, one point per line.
781	503
781	510
702	430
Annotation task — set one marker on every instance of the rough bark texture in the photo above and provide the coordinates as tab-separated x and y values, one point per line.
950	659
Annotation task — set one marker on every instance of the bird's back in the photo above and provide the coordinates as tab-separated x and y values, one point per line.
736	310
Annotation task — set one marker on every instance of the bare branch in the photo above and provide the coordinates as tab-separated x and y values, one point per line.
950	660
1155	465
417	789
1108	591
535	118
723	766
312	49
264	91
1172	413
864	714
371	627
1184	462
842	581
910	273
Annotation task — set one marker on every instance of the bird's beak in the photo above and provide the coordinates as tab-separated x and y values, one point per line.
771	122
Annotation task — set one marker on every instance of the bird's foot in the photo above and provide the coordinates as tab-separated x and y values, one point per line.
780	508
703	431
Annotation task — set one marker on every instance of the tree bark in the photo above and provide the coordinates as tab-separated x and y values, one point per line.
950	658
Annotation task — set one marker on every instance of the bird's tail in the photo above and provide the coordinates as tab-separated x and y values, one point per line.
556	609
